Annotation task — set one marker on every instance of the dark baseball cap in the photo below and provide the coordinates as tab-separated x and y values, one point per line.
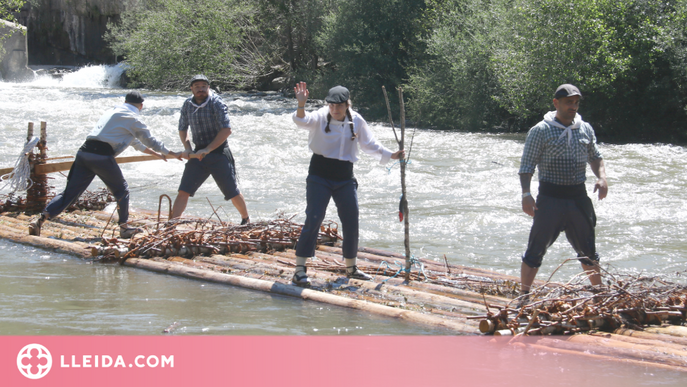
133	97
199	77
338	94
566	90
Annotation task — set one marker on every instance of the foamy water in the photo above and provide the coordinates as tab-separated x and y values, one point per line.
463	189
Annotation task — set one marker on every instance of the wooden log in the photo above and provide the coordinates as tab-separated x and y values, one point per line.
377	256
427	287
610	341
599	347
381	291
487	326
572	352
42	169
642	341
672	330
652	336
57	228
463	327
76	248
66	165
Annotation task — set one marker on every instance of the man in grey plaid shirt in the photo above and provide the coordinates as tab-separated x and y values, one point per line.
560	146
208	118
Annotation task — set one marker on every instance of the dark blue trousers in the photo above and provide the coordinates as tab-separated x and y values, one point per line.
318	193
552	217
86	166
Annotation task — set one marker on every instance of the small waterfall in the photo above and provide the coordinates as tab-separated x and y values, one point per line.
96	77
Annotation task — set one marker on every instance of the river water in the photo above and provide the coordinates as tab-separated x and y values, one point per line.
463	193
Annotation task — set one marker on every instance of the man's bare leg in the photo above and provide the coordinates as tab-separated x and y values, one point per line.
593	273
240	203
527	275
180	204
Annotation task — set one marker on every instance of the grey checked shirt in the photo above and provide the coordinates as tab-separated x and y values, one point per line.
560	160
205	121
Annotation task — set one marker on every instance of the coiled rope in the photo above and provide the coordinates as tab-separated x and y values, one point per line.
19	179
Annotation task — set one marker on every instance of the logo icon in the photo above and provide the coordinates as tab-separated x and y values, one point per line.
34	361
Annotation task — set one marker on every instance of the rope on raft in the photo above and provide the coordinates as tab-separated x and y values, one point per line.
20	178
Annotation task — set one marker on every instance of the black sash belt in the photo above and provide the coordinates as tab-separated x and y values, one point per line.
97	147
332	169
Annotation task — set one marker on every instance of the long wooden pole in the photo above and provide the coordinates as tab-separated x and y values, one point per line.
42	169
404	197
404	200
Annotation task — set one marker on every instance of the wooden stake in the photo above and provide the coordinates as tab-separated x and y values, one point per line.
404	200
29	133
404	197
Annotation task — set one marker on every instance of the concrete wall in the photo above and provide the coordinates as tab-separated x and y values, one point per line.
13	56
69	32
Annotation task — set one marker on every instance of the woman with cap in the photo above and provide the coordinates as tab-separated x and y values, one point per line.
335	134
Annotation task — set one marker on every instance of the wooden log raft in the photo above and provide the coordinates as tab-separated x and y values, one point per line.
163	266
428	302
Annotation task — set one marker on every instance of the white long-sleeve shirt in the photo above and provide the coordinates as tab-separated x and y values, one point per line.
337	143
122	127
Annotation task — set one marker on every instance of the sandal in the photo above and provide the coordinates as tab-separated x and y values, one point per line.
355	273
300	277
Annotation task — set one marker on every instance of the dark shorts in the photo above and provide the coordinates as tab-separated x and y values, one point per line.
551	218
219	165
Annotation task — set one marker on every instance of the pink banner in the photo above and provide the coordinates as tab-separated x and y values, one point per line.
127	361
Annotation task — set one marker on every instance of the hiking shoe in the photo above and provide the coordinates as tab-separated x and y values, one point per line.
128	232
300	278
355	273
35	226
245	220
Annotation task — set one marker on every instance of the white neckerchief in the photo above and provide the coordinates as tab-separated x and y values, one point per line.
202	105
131	107
550	118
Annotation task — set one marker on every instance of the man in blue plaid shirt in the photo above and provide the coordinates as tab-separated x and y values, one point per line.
207	115
560	146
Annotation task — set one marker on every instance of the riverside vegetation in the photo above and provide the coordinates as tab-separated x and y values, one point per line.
475	65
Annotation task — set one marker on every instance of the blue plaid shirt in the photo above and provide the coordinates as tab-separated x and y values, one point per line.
561	160
205	121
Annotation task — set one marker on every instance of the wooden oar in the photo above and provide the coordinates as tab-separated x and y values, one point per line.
66	165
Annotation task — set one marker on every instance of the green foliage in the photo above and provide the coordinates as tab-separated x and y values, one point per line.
455	88
165	42
464	64
499	61
371	43
10	7
7	10
290	26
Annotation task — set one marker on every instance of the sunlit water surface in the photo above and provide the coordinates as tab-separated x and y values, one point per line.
463	192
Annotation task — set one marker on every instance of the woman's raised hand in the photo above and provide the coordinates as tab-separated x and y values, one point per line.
302	93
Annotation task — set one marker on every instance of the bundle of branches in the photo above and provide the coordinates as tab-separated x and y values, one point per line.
626	301
12	202
189	238
97	200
